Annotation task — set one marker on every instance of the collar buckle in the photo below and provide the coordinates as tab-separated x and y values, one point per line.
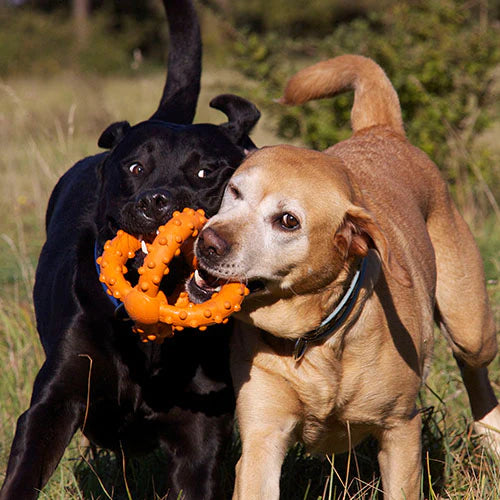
300	348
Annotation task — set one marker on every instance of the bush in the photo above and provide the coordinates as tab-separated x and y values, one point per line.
294	18
35	42
437	57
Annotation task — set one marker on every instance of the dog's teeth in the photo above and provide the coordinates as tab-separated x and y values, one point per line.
144	247
202	283
157	231
197	278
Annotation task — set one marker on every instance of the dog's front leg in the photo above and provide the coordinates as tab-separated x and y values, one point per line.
400	459
196	449
42	434
259	468
267	412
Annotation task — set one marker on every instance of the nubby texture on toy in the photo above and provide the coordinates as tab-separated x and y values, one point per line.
145	303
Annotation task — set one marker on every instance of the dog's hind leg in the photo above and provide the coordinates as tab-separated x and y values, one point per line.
464	314
42	434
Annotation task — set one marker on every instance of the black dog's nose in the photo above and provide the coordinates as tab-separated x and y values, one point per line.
154	204
211	244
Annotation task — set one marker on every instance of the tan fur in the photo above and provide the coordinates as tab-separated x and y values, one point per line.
364	76
374	196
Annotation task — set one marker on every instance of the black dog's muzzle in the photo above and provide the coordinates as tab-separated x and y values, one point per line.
149	210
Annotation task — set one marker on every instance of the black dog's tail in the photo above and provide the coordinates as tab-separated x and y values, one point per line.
182	86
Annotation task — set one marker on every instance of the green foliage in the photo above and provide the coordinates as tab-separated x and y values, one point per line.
438	58
33	42
292	18
24	42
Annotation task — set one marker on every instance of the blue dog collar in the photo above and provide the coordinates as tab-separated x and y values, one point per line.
114	300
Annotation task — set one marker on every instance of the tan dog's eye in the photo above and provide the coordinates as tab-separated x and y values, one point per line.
234	191
136	169
289	222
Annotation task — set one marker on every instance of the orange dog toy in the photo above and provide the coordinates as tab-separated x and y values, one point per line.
145	303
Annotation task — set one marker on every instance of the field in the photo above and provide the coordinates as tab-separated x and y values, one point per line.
48	124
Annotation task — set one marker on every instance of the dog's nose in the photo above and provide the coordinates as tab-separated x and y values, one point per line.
154	204
211	244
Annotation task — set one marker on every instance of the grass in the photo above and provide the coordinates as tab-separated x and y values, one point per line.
48	124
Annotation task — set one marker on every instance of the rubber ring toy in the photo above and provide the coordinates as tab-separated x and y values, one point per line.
155	319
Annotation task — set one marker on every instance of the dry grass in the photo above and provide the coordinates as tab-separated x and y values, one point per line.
45	126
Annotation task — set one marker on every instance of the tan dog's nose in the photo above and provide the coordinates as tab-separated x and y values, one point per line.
211	244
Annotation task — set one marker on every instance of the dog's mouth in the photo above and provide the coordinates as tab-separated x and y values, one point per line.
145	240
206	282
203	285
171	284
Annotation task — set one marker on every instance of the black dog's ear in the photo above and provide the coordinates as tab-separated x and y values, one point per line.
113	134
242	114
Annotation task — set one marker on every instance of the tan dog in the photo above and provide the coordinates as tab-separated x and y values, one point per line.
368	231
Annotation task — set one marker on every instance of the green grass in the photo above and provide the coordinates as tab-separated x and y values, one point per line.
48	124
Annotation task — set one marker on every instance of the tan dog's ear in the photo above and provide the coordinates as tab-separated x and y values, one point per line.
358	233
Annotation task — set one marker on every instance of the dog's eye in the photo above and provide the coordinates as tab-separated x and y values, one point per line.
234	191
136	169
203	173
289	222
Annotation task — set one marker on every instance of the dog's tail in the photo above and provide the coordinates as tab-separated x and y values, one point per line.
375	100
182	85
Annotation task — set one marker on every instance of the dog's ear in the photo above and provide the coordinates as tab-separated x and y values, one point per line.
358	233
113	134
243	116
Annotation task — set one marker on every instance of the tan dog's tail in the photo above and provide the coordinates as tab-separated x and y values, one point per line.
375	100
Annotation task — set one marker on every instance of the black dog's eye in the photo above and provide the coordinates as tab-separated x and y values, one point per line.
203	173
289	222
136	169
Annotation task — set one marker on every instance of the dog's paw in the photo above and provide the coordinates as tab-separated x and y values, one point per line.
488	428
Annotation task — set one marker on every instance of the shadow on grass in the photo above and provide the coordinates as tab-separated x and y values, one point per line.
304	476
101	476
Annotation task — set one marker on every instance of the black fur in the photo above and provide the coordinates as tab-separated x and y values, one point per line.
177	395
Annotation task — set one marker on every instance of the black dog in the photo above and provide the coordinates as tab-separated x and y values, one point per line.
98	376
